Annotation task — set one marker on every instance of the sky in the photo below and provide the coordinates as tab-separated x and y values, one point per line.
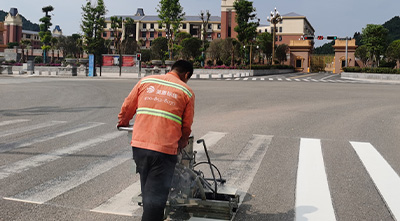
335	17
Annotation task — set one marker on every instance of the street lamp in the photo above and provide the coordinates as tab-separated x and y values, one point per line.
274	19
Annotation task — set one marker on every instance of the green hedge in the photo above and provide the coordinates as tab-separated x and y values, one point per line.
372	70
263	67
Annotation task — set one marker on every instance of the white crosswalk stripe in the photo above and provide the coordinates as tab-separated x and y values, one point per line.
385	178
8	122
311	186
312	190
26	164
55	187
28	142
30	128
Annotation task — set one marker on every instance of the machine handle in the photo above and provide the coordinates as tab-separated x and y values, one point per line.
128	128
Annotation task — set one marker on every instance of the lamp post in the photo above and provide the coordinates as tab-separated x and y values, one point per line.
274	19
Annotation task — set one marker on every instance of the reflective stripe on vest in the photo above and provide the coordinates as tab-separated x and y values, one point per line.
167	83
159	113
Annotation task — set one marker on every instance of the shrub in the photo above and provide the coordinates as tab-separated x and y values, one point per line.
382	70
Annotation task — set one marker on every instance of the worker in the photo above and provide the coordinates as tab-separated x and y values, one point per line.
164	108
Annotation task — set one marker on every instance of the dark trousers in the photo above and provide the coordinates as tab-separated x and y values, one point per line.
156	171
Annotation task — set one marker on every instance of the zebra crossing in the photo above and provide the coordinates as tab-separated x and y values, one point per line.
311	188
286	79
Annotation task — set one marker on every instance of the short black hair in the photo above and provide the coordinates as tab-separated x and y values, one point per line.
182	67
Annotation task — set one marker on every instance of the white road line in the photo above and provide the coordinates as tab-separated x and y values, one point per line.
121	204
243	170
8	122
57	186
297	79
245	79
314	80
254	79
306	80
263	79
271	79
236	79
288	79
211	138
15	145
279	79
313	199
331	81
30	128
28	163
328	76
385	178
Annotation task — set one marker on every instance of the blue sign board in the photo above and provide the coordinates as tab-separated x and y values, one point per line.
91	65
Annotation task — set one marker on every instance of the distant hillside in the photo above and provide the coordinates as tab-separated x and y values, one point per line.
26	24
393	25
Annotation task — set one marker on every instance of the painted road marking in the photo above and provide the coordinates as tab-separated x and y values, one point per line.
30	128
57	186
385	178
121	204
313	199
35	161
305	75
28	142
8	122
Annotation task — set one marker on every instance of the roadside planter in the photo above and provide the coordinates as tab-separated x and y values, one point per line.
71	68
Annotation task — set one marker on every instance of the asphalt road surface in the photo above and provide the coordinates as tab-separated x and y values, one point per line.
296	150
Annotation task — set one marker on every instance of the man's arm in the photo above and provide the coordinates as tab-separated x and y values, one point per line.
129	107
187	122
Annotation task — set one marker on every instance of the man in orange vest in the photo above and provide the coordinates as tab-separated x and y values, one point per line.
164	108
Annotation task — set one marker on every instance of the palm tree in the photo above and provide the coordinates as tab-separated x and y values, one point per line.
24	44
53	45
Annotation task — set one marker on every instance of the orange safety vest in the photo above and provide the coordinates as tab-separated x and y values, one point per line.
164	108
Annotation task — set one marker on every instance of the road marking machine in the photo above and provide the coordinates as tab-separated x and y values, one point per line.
196	195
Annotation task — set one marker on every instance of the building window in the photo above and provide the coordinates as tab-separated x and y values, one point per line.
159	34
266	30
112	34
152	25
184	26
151	42
104	34
144	26
151	34
28	36
298	63
280	29
259	31
280	22
219	35
209	26
280	38
219	26
105	25
143	34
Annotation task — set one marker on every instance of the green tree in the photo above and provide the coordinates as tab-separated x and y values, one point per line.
92	25
180	36
375	38
393	25
129	44
24	44
159	48
326	48
116	26
245	18
264	40
171	14
45	34
393	51
53	46
362	53
214	50
281	51
191	48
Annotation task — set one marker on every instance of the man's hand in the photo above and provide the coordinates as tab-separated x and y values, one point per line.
121	125
182	144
